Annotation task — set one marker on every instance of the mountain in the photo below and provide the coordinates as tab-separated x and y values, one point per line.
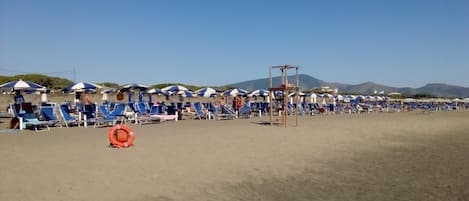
444	90
366	88
308	82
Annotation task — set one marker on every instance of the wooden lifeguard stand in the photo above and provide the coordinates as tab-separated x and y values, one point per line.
286	88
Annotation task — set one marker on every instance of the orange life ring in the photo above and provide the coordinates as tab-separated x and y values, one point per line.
121	136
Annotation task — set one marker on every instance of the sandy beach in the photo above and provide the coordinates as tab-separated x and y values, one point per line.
399	156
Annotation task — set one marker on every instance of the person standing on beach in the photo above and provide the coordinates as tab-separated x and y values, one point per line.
85	99
234	104
19	99
222	104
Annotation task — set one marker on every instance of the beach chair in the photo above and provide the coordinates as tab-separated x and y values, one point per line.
112	117
67	117
245	111
28	119
48	113
89	114
143	115
225	113
104	109
199	111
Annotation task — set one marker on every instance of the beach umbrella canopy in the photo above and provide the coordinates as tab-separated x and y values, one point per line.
20	85
156	91
325	95
81	86
299	94
174	88
235	92
133	86
206	92
186	93
259	92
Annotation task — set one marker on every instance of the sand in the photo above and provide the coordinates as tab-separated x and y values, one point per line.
399	156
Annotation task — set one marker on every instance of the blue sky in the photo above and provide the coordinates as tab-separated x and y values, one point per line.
398	43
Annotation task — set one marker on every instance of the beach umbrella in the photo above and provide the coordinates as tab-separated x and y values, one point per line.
130	87
186	93
235	92
20	85
150	92
80	87
174	88
299	94
259	92
206	92
156	91
325	96
133	86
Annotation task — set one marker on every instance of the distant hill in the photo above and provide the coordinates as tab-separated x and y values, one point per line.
444	90
367	88
308	82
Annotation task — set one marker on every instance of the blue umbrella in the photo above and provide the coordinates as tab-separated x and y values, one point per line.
235	92
20	84
174	88
81	86
206	92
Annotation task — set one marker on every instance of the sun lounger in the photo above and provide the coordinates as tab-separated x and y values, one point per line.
112	117
67	117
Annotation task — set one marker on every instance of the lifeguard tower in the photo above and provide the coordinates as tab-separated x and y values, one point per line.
285	88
